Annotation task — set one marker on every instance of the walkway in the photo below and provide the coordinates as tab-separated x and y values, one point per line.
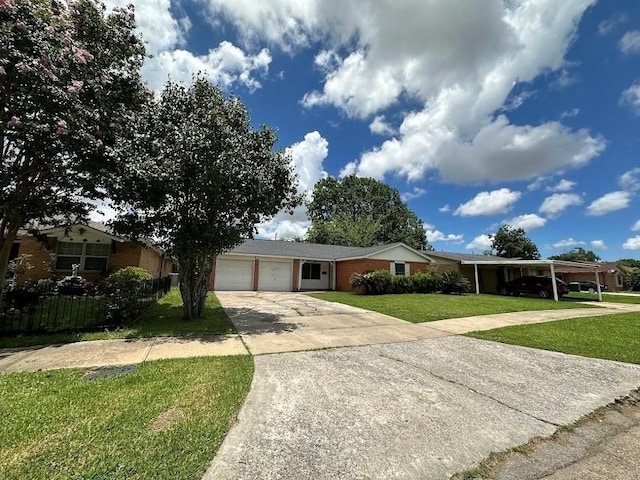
270	322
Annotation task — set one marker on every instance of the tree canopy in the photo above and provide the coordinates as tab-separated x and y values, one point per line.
199	179
629	262
362	212
69	85
513	243
577	254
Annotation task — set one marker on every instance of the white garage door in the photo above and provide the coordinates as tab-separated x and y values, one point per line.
234	274
275	276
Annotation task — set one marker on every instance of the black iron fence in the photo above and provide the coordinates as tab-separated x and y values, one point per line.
49	307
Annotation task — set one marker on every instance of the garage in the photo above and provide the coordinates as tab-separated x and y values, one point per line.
234	274
275	276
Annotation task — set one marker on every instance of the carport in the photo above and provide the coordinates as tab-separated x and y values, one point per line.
540	264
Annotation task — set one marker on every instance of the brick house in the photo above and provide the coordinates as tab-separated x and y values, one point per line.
612	274
291	266
97	252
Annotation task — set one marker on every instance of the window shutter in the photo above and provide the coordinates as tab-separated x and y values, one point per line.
392	268
406	269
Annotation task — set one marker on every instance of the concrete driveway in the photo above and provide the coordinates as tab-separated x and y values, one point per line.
271	322
415	402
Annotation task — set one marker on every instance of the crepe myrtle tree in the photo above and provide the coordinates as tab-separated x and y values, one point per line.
69	84
199	180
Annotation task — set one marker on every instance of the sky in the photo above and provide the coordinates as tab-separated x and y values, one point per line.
484	113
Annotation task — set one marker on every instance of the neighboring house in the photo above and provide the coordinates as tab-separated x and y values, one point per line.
291	266
96	251
611	274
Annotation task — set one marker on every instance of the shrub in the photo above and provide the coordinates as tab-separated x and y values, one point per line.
401	284
74	286
123	290
372	283
632	282
426	282
455	282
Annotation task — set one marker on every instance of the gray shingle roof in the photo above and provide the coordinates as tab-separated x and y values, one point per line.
313	251
456	256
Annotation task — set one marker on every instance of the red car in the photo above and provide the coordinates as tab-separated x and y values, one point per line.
534	285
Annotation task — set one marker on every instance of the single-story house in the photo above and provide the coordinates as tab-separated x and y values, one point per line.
292	266
97	252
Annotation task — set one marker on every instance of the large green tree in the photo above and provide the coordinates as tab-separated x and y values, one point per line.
69	85
577	254
513	243
199	180
362	212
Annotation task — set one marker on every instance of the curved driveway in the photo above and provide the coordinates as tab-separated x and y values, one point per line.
419	409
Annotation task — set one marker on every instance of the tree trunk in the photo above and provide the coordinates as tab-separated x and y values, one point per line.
195	271
5	251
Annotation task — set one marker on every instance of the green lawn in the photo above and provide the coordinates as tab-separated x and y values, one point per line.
593	297
166	420
612	337
418	308
161	319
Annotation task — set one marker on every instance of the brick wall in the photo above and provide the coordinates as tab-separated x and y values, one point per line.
296	276
348	267
40	258
126	254
154	263
415	267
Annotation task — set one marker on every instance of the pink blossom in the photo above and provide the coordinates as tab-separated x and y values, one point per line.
14	122
75	86
63	128
7	5
20	25
66	38
82	56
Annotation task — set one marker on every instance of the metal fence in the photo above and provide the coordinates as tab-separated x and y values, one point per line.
52	309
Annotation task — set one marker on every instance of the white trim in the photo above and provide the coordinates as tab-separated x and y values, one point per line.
388	247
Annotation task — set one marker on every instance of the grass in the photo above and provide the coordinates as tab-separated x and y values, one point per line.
161	319
606	297
165	420
418	308
611	337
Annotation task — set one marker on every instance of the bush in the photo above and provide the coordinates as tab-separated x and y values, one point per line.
455	282
372	283
401	284
123	290
632	282
426	282
74	286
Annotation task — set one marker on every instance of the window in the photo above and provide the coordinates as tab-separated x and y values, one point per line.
400	269
619	281
90	256
311	271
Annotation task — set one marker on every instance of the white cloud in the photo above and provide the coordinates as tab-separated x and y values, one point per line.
380	126
631	97
537	183
569	242
460	60
630	42
224	65
527	222
445	208
632	243
562	186
599	244
630	180
307	157
607	26
609	202
636	226
488	203
415	193
570	113
557	203
481	242
434	235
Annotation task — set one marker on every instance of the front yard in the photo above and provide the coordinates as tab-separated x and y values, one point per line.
165	420
418	308
161	319
611	337
606	297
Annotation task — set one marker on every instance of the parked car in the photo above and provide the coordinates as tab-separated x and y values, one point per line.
534	285
590	286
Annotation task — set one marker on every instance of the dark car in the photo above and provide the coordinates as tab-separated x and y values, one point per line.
534	285
590	286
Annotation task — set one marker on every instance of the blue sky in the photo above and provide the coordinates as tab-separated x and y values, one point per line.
524	112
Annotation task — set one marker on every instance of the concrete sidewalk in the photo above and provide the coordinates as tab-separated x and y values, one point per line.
101	353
